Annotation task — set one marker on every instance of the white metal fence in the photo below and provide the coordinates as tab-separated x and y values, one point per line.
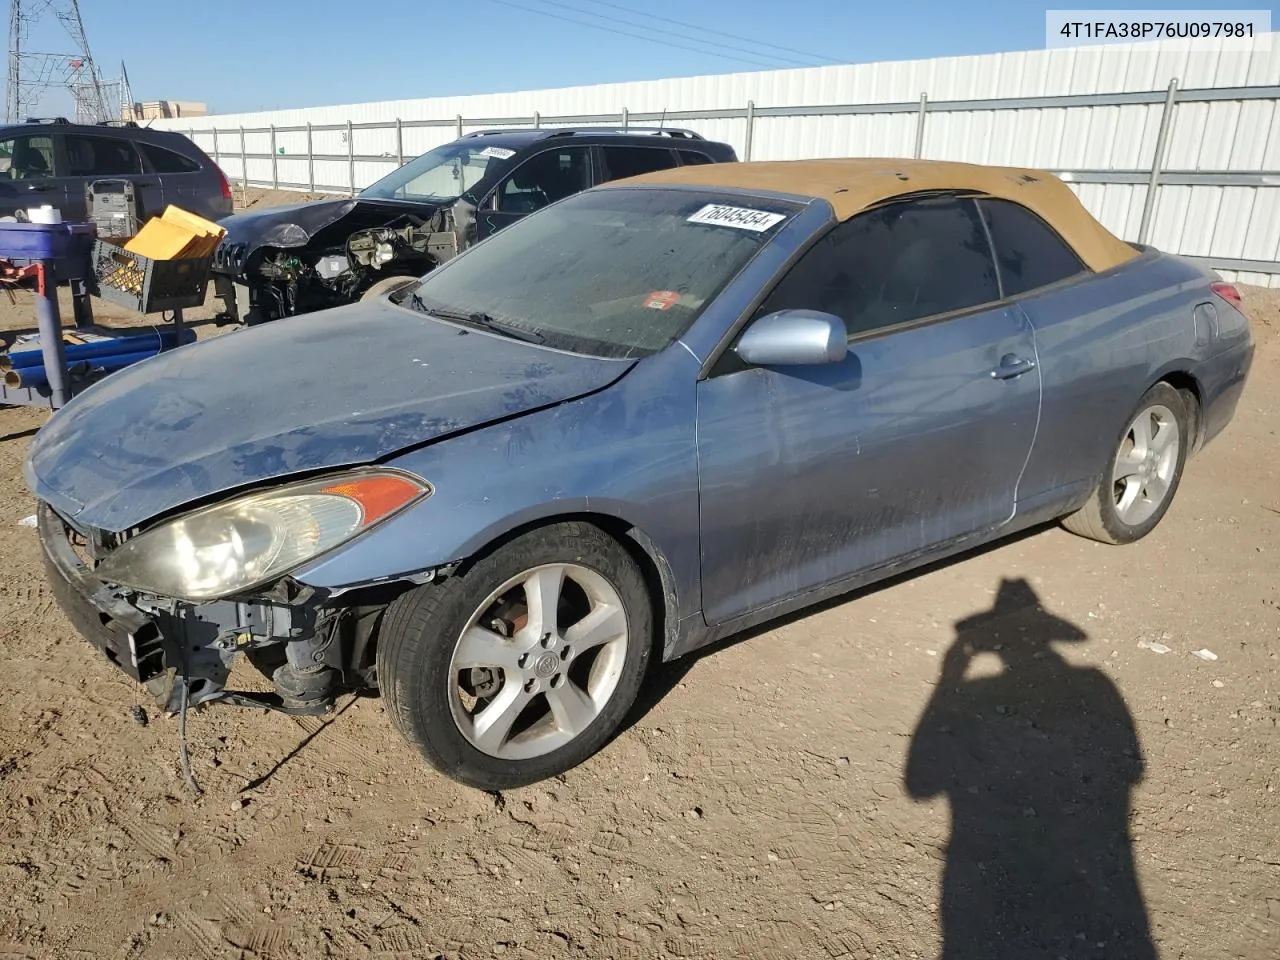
1194	170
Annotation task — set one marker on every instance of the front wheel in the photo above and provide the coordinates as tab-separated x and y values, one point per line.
1142	473
524	665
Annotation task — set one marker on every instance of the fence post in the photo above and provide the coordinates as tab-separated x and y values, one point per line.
1157	162
399	143
459	126
244	171
275	173
351	159
924	108
537	120
216	159
626	118
311	162
751	130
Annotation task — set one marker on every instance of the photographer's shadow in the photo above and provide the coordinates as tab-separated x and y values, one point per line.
1038	761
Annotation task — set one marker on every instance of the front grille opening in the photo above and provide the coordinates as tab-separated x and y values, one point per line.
91	544
80	547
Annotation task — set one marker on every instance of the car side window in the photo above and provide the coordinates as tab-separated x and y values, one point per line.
100	156
26	157
544	179
897	263
621	162
167	161
1029	252
692	158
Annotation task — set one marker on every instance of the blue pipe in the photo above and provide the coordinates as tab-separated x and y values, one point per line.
152	340
35	376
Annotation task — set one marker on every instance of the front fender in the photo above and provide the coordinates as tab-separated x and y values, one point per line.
627	452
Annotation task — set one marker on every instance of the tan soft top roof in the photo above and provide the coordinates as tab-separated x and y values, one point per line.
855	184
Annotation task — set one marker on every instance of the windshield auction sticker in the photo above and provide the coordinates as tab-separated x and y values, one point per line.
741	218
661	300
1217	30
498	153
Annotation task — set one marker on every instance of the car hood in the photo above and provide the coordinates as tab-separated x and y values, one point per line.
331	389
296	225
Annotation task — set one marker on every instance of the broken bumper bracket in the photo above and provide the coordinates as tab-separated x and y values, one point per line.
128	637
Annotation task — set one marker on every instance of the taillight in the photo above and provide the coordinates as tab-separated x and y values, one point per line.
226	185
1229	293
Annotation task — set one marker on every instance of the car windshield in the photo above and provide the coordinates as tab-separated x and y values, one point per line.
442	174
615	272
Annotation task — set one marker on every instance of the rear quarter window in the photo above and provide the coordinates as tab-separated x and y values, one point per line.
167	161
1029	253
692	158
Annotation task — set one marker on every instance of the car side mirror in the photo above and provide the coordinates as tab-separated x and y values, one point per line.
793	338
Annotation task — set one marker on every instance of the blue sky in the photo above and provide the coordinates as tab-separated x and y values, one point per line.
242	55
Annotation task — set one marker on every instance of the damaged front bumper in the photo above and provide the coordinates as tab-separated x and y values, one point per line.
169	645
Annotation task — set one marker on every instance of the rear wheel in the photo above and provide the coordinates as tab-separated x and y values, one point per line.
386	285
524	665
1142	474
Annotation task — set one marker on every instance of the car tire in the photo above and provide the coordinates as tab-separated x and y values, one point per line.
386	285
550	705
1125	507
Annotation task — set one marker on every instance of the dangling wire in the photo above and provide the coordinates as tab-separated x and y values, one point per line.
183	754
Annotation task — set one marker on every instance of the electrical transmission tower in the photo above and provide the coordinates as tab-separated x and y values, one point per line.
32	73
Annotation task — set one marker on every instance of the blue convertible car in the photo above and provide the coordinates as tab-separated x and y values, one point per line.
646	417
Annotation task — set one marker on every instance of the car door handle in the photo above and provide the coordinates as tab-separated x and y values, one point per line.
1012	366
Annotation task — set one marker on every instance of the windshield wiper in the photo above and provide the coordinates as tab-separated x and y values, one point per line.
478	319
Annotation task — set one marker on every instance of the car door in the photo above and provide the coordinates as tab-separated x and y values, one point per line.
182	181
540	180
1087	346
92	157
28	174
812	474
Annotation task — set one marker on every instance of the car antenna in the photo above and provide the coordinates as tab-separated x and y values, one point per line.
663	119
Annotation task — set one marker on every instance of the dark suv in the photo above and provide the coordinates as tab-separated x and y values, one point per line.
294	259
52	161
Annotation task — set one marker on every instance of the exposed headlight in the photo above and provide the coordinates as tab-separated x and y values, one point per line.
230	547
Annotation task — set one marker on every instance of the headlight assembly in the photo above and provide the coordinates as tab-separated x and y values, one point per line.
229	547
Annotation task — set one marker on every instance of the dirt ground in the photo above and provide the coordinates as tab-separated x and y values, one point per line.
789	794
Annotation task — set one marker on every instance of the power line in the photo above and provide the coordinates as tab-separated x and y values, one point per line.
633	36
710	43
720	33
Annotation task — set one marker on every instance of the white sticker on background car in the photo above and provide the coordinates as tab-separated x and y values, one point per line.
742	218
498	153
